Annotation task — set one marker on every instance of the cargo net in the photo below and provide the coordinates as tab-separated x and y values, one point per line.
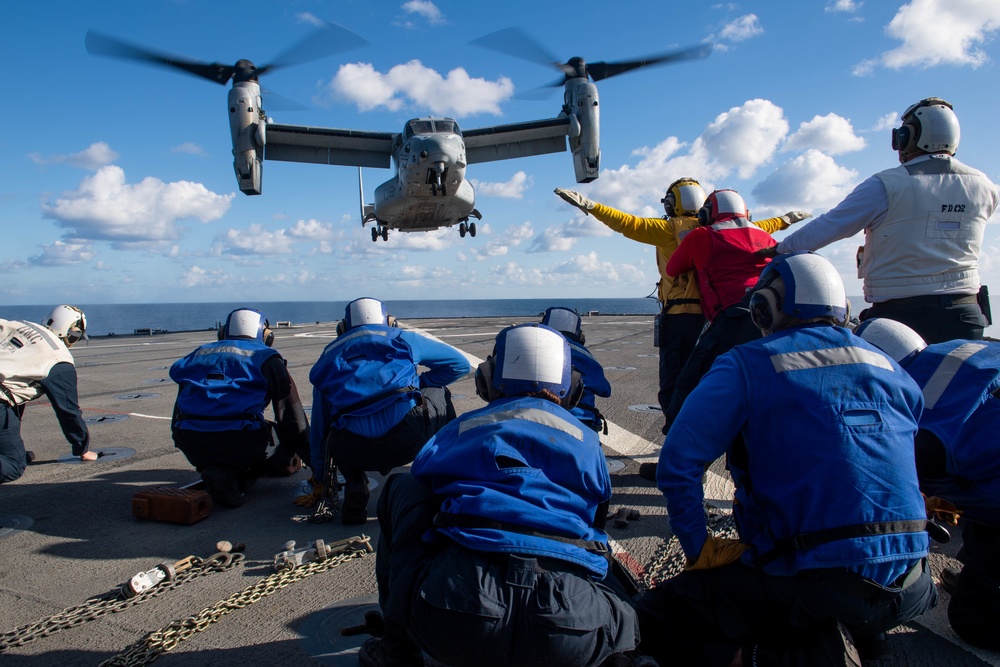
669	559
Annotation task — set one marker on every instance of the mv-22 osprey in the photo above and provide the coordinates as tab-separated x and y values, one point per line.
429	189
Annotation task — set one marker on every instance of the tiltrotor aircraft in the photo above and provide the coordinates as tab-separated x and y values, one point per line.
429	189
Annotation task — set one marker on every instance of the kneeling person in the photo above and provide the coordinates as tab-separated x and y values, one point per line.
592	377
218	420
372	409
492	551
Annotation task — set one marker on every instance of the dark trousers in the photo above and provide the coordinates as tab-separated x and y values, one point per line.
937	318
730	328
244	451
401	444
12	454
974	610
704	617
471	608
678	335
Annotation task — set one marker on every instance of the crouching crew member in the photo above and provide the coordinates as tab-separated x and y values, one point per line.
958	460
595	384
492	552
35	361
218	421
372	410
818	428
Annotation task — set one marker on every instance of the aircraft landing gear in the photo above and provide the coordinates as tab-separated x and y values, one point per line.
469	229
374	234
380	230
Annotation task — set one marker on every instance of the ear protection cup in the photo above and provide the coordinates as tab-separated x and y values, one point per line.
705	215
341	328
575	392
903	137
268	336
222	332
391	321
765	308
73	334
484	380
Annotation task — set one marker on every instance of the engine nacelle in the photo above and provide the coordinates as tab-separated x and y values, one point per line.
582	102
246	121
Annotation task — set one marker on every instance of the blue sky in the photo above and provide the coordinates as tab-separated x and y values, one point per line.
118	185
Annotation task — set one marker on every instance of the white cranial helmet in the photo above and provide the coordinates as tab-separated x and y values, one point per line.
894	338
930	125
68	323
795	288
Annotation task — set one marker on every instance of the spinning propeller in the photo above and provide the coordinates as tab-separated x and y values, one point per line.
514	42
325	40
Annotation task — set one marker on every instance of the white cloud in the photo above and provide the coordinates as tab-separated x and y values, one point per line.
849	6
424	9
64	254
189	148
512	189
199	277
887	122
590	267
313	230
514	235
812	181
741	29
310	18
255	241
12	265
938	32
105	207
513	273
831	134
745	137
412	83
91	158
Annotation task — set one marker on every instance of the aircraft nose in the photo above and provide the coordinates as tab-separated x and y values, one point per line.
435	149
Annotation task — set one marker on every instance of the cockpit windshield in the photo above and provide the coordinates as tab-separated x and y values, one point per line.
446	125
417	126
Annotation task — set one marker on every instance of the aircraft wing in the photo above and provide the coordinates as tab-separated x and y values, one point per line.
324	145
504	142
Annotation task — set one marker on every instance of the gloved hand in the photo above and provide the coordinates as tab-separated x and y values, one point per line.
942	510
576	199
310	499
770	251
792	217
716	552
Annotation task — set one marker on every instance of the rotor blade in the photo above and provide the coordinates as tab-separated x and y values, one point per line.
326	40
515	42
103	45
602	70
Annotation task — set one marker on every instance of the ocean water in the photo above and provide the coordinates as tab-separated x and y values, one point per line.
119	319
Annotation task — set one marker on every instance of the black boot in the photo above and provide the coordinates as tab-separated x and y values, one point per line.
354	510
223	485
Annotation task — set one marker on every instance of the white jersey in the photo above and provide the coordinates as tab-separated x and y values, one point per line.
28	351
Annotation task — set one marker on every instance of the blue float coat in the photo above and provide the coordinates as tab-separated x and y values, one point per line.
523	461
370	361
222	380
958	379
595	383
828	422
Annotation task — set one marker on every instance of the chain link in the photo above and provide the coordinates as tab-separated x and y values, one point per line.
113	602
669	560
168	637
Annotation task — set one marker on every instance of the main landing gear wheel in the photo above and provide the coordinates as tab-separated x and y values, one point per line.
463	229
378	231
472	229
374	234
385	233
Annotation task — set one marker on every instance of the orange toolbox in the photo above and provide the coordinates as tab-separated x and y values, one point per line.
185	505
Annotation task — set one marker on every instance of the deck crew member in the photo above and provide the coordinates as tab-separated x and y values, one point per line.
818	430
958	461
35	361
595	383
681	318
218	420
923	222
492	552
372	409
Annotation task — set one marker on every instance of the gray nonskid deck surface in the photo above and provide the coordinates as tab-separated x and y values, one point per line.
82	540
